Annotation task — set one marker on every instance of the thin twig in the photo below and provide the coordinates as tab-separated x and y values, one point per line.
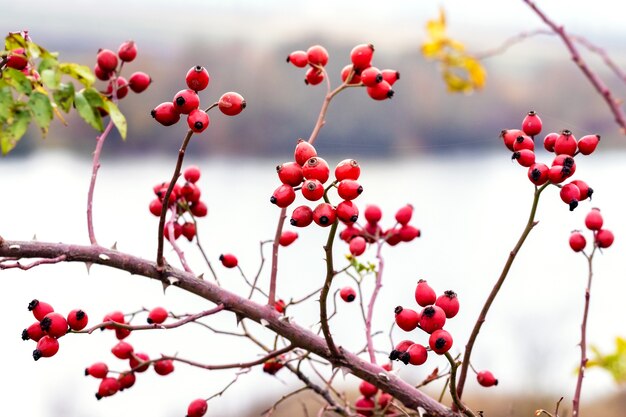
204	255
370	307
172	239
453	390
18	265
271	299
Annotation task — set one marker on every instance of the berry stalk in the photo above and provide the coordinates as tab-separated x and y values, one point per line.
330	273
279	230
583	337
453	389
496	288
370	307
321	118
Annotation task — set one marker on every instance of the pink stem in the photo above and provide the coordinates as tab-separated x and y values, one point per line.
172	240
94	174
33	264
279	231
370	307
598	84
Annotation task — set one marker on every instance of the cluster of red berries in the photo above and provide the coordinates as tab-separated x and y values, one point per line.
186	200
187	102
50	326
367	403
308	173
109	65
18	59
359	236
602	238
359	73
430	319
564	145
137	361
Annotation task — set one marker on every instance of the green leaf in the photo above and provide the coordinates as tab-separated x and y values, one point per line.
50	74
80	73
6	103
116	116
14	41
13	132
17	80
64	96
41	108
88	112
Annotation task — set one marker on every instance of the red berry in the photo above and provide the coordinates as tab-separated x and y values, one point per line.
157	315
177	229
373	214
349	189
391	76
524	157
380	91
317	55
98	370
392	237
197	78
199	209
303	152
115	316
108	387
364	406
348	169
324	215
77	320
33	332
166	114
384	399
604	238
188	230
432	318
347	294
198	120
371	76
122	88
358	246
587	144
107	60
585	190
231	103
348	233
424	294
121	333
345	73
440	341
287	238
549	141
192	174
136	359
531	125
190	192
185	101
594	219
40	309
312	190
54	324
298	59
538	173
102	74
283	196
367	389
197	408
347	212
17	59
523	142
557	174
271	366
280	306
577	241
361	56
400	351
570	194
509	136
127	51
126	380
228	260
47	346
122	350
316	168
156	207
407	233
302	216
313	76
566	162
486	379
417	354
164	366
406	319
290	173
404	214
139	81
449	303
565	143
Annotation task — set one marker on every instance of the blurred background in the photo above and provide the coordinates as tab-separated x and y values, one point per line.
435	150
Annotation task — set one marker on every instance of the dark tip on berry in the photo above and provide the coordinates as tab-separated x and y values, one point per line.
98	397
354	218
566	132
379	78
598	136
566	171
398	310
273	200
589	192
153	113
449	294
198	68
440	343
287	60
532	113
80	314
397	75
515	155
573	204
429	311
86	371
496	382
198	125
324	219
371	47
33	304
390	93
293	222
149	320
535	174
394	355
45	324
180	101
306	82
25	335
221	257
36	354
568	162
520	139
350	297
404	357
278	168
359	190
243	104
